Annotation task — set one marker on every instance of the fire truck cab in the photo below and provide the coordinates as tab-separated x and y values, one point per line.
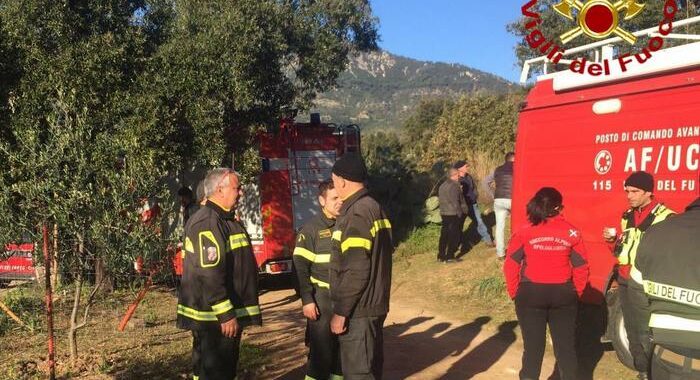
584	135
18	264
295	159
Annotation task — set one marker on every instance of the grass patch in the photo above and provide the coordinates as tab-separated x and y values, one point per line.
28	305
490	287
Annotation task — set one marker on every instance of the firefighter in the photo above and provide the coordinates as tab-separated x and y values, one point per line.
311	259
218	295
546	272
644	211
666	269
360	272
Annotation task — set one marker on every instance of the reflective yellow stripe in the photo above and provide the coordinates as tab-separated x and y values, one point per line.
305	253
196	314
637	275
189	247
670	322
378	225
248	311
323	259
222	307
307	377
337	235
209	235
335	377
672	293
355	242
238	241
320	283
195	377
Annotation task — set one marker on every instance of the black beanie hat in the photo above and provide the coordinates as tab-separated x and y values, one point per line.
641	180
351	167
459	164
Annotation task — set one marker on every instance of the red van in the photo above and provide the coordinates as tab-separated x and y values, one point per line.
585	134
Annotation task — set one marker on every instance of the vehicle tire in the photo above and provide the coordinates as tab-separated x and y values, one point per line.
616	329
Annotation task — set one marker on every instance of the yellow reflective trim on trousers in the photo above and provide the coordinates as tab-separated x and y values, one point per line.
690	297
305	253
238	241
197	315
189	247
335	377
355	242
337	235
323	258
321	284
671	322
378	225
248	311
222	307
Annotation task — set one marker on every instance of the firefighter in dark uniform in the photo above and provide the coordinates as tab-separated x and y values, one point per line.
360	272
312	257
219	290
644	212
667	270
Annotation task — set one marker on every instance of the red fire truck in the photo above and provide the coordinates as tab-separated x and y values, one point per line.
294	159
585	134
18	265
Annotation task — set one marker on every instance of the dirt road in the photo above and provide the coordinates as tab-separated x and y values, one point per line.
418	343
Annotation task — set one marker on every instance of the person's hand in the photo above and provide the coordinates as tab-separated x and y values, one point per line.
338	324
311	311
609	234
229	328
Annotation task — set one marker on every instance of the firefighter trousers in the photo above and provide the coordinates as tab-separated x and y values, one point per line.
539	305
635	311
362	348
214	357
324	349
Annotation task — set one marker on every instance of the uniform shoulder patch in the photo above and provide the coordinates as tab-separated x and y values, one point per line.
209	250
301	238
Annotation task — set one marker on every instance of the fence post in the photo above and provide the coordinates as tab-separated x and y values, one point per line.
49	303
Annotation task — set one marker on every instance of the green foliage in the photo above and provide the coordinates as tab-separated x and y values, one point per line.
421	240
553	25
490	287
27	305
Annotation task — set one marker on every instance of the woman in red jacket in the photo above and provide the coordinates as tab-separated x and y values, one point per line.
546	272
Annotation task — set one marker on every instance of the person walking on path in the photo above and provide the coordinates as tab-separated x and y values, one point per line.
453	208
312	257
470	196
546	273
666	268
644	212
360	272
219	291
502	180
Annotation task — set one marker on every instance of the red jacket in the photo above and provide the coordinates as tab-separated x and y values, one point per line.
548	253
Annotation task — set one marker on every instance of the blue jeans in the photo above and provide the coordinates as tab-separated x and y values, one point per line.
501	206
475	216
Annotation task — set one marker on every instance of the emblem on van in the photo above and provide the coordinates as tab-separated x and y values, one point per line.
598	19
603	162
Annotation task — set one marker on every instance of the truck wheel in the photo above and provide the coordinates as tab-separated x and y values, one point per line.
616	329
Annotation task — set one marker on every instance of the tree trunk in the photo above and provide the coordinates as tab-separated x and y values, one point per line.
103	277
73	330
55	279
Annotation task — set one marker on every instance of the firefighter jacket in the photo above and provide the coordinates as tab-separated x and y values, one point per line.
551	252
667	267
312	256
361	258
220	279
632	231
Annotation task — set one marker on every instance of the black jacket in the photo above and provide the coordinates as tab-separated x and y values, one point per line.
667	266
312	256
361	258
451	199
469	189
220	275
503	176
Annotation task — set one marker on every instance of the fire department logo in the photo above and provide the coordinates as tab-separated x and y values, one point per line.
603	162
212	254
598	19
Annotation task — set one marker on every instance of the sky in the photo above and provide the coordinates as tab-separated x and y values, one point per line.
469	32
